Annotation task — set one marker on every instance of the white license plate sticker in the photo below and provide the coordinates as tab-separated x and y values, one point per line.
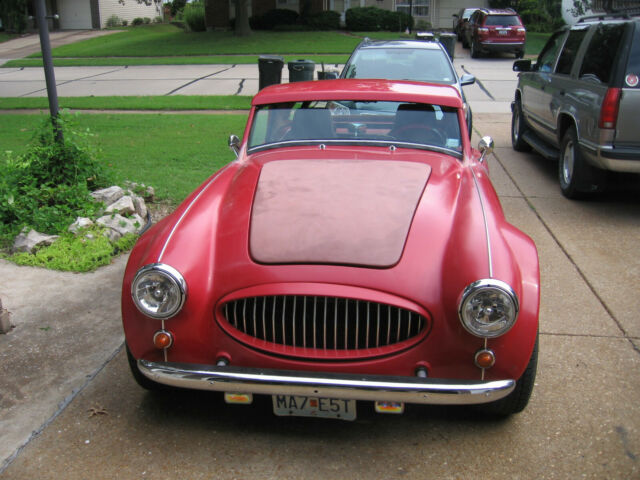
295	406
503	32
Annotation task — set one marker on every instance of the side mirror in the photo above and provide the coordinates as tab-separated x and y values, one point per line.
467	79
522	65
328	75
485	145
234	144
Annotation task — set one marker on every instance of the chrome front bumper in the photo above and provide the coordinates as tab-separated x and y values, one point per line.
326	385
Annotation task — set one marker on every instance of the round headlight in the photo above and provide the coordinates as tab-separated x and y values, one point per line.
158	291
488	308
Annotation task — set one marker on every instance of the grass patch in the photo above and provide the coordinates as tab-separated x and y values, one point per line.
194	60
72	253
172	153
169	40
535	42
177	102
6	36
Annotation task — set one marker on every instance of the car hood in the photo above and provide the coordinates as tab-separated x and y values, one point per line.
351	212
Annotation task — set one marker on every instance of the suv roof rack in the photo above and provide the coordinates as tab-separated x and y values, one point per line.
624	14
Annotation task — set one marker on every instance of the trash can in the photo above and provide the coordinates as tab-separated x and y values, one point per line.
270	70
328	75
448	41
426	36
301	70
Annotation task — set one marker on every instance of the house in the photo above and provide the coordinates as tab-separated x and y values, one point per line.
88	14
438	13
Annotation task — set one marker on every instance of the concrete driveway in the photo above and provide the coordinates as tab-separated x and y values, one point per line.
65	376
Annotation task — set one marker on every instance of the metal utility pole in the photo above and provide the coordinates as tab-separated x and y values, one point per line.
52	93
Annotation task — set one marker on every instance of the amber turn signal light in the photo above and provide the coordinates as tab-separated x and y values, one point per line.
162	339
485	358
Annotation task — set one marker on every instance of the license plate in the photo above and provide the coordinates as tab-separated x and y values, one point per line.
503	32
294	406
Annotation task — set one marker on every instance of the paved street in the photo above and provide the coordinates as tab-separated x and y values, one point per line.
583	420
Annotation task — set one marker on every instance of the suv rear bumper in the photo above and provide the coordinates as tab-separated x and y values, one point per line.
502	47
626	160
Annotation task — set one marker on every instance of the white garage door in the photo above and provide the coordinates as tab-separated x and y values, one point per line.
74	14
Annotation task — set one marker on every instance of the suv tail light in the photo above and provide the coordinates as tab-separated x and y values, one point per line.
609	109
483	29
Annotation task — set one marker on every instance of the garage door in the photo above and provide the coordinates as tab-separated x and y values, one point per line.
74	14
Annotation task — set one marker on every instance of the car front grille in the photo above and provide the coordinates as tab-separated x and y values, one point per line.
322	322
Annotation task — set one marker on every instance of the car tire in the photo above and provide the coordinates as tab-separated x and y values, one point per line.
465	44
140	379
475	53
518	399
518	128
577	178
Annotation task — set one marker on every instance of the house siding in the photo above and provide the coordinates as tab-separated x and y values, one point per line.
443	14
130	10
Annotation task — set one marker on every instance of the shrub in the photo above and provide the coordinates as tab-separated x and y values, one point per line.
194	16
273	18
177	6
327	20
146	20
125	23
114	21
137	21
365	19
48	186
158	19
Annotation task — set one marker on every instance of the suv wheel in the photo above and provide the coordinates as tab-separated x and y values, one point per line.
475	52
576	176
518	128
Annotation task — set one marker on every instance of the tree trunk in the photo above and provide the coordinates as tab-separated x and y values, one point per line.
242	18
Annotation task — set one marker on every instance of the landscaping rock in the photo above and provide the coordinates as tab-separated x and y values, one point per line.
81	222
140	189
123	206
122	225
140	205
27	242
108	195
5	321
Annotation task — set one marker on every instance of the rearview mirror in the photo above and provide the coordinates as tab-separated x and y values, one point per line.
485	146
522	65
467	79
234	144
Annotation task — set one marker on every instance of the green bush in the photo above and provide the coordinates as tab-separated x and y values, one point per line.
137	21
273	18
367	19
125	23
327	20
194	16
114	21
48	187
146	20
158	19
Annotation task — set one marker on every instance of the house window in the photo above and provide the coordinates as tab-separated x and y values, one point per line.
420	7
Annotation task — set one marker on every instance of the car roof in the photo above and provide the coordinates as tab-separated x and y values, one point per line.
360	90
421	44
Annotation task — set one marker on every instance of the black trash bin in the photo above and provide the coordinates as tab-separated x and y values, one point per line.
270	70
301	70
448	41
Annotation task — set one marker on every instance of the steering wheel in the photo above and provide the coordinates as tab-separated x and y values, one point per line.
416	133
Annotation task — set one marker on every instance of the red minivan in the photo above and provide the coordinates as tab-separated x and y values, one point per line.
492	30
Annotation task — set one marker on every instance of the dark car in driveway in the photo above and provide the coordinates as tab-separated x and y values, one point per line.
460	19
580	102
417	60
494	31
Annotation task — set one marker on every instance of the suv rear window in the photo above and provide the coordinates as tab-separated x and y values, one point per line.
601	53
502	20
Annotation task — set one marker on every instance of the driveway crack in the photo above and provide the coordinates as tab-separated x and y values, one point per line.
198	79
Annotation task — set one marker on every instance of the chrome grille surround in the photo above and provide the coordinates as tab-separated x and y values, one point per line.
322	322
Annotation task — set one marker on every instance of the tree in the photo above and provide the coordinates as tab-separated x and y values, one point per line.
13	14
242	27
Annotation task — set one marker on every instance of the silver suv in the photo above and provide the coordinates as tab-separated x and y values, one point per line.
579	102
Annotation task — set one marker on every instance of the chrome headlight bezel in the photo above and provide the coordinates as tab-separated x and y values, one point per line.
504	301
174	286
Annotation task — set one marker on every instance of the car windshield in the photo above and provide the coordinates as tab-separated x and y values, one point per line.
347	122
419	64
502	21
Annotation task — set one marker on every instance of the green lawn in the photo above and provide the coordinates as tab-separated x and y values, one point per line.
535	42
169	40
6	36
178	102
172	153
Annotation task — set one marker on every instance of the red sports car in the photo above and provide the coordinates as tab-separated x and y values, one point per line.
354	250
